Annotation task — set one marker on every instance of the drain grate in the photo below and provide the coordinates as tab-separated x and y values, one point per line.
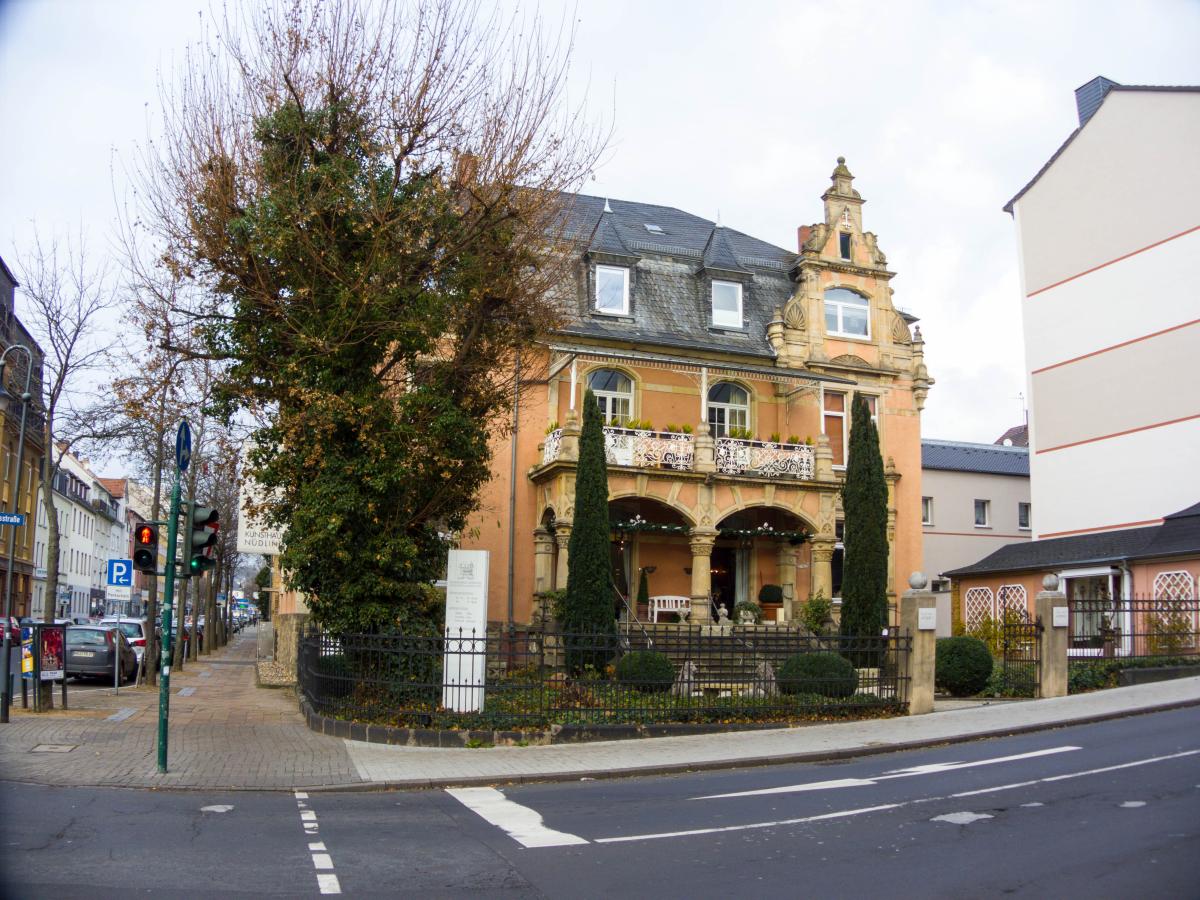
53	748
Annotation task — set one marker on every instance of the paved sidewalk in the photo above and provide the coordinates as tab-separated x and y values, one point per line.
229	734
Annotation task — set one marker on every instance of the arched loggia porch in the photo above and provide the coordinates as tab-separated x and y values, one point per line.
759	547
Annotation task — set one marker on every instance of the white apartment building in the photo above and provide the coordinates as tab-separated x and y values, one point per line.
92	529
1108	237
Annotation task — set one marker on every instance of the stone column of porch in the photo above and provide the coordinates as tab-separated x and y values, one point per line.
562	537
543	567
568	449
822	568
787	579
701	541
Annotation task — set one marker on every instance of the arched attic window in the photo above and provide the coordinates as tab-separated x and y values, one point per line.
728	407
614	393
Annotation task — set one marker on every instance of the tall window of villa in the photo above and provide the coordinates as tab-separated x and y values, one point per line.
728	407
837	561
614	393
836	416
847	313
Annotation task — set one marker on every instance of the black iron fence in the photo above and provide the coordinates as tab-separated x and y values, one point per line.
538	678
1133	628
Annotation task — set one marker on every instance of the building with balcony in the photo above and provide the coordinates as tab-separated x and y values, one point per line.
12	332
725	368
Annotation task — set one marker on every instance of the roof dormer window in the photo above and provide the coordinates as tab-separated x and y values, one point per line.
726	304
612	290
653	229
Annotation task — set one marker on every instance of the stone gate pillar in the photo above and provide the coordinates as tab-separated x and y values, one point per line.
918	620
701	542
1052	649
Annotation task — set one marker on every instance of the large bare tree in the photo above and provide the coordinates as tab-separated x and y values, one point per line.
365	203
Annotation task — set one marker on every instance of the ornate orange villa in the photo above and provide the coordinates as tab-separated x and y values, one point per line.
725	367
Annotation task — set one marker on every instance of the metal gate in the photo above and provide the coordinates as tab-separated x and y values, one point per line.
1021	663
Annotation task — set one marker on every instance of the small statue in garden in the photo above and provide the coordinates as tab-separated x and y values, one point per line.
685	680
765	684
722	615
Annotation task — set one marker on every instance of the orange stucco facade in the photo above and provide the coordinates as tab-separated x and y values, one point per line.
724	511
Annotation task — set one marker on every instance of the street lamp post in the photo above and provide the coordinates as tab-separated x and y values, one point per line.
6	402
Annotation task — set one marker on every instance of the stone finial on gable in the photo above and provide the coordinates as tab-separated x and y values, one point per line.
843	204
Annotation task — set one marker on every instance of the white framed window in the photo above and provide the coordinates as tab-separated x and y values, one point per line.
1023	510
847	313
727	304
983	513
926	510
728	407
614	393
612	290
835	418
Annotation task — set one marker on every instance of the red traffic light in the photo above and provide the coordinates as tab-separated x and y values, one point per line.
145	552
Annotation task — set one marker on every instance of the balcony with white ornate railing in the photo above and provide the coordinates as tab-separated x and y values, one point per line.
649	449
764	458
635	447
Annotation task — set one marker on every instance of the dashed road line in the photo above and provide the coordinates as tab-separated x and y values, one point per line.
327	880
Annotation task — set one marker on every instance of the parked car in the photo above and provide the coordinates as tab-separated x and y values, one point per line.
94	650
133	629
14	631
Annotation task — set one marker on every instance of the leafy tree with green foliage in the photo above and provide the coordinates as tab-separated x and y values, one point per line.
361	203
588	606
864	500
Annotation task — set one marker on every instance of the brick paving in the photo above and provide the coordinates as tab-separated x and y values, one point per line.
232	734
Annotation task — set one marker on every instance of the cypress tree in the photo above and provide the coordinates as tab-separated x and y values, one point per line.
588	606
864	500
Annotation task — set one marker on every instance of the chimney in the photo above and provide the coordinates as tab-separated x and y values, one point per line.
1088	97
802	234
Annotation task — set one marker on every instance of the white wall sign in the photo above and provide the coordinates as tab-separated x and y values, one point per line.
927	619
255	536
465	661
1060	617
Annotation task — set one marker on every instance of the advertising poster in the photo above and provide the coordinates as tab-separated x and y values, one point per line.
27	652
53	653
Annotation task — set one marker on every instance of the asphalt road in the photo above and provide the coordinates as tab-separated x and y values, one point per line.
1105	810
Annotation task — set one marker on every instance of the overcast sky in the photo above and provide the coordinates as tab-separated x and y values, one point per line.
943	111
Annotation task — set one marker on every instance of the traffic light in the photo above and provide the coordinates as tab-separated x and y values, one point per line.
200	537
145	548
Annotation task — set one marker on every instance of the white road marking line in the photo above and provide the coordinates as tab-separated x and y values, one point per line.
871	809
319	845
961	818
725	828
929	769
522	824
322	861
301	795
328	883
1133	804
308	816
218	808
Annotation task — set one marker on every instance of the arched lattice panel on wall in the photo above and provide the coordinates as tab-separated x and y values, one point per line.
1012	597
978	604
1173	590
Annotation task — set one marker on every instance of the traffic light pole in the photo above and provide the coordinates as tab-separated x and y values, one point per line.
164	681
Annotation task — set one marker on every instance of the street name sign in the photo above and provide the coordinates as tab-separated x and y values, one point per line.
465	661
17	519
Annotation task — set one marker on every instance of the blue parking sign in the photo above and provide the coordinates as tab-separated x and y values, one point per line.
120	573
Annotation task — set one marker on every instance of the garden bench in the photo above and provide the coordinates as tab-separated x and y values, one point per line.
668	603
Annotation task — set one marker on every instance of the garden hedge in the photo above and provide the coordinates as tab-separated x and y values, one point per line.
826	674
646	670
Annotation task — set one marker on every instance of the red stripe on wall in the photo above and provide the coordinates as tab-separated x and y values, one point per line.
1051	534
1111	261
1145	337
1105	437
982	532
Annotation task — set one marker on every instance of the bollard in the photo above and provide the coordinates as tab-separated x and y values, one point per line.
1051	610
918	619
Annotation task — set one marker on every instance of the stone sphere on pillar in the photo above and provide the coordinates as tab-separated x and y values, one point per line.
917	581
1050	582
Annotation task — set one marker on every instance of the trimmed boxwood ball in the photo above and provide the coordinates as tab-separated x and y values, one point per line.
827	674
963	666
646	670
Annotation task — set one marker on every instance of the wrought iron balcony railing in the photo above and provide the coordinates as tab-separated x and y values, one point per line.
736	456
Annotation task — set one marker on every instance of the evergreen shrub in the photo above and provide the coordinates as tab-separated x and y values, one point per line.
770	593
826	674
646	670
963	665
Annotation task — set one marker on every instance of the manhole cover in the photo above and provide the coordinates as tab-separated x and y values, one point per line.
53	748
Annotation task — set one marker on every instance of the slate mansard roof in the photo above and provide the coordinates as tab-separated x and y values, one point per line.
989	459
671	265
1178	535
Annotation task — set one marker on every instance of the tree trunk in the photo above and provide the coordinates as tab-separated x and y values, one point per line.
153	652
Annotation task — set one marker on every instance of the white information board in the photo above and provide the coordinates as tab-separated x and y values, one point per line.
1060	617
465	657
927	619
